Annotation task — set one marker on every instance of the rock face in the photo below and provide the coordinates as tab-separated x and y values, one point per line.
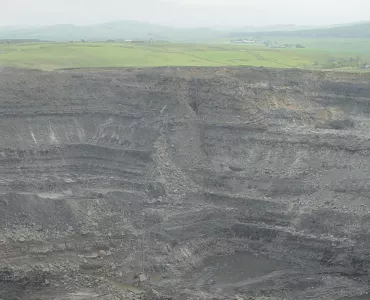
175	175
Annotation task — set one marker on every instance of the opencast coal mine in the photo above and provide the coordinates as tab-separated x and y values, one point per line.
184	183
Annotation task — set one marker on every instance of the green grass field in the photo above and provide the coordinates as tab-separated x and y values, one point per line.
334	45
50	56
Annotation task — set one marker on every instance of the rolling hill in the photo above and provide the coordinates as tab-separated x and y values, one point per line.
361	30
122	30
119	30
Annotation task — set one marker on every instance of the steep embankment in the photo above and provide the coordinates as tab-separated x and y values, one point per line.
108	175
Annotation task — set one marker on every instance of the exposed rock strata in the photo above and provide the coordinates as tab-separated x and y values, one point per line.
110	174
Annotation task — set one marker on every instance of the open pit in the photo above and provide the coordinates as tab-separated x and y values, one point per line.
179	183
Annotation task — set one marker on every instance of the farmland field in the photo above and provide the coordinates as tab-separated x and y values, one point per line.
335	45
50	56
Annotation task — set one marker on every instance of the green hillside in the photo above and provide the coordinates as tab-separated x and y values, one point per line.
121	30
50	56
102	45
342	31
132	30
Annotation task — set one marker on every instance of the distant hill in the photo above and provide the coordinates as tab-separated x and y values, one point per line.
133	30
340	31
15	41
278	27
120	30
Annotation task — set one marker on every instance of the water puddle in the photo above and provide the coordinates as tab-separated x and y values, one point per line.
126	287
233	268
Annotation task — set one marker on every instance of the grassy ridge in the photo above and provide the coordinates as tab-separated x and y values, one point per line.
121	30
361	30
335	45
50	56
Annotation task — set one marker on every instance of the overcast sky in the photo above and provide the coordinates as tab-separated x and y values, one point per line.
184	13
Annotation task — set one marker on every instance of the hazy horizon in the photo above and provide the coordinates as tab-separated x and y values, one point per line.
185	13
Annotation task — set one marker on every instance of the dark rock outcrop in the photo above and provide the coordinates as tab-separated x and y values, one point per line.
162	168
